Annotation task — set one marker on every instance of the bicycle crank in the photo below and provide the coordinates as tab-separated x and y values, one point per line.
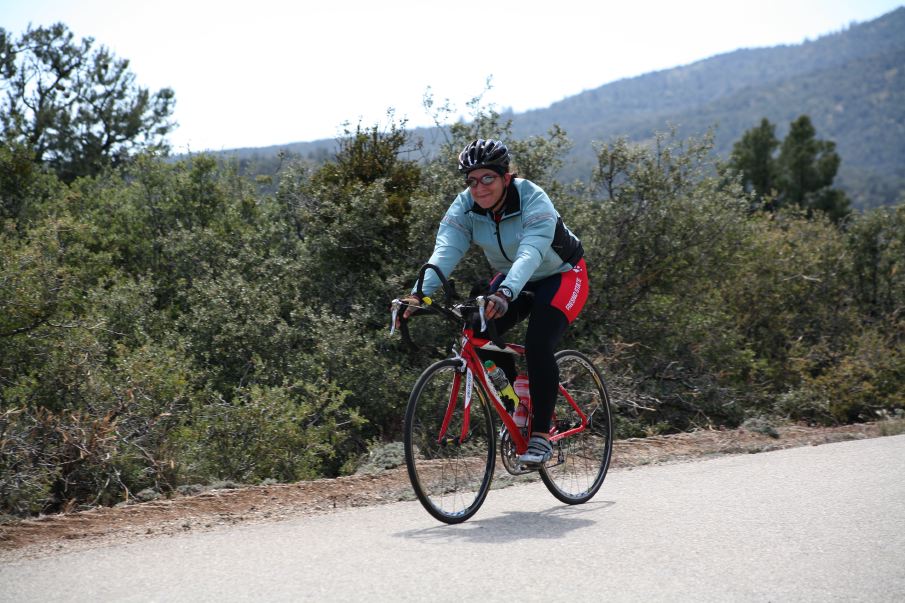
510	457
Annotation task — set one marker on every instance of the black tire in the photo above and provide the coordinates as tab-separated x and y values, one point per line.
580	462
450	478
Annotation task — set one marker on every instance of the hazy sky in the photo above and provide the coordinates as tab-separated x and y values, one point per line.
256	73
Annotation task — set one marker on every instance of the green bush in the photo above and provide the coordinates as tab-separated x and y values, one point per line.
112	438
863	382
792	288
285	433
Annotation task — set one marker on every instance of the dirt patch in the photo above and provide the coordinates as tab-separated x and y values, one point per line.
215	509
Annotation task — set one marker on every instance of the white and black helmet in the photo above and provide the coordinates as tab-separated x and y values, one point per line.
490	154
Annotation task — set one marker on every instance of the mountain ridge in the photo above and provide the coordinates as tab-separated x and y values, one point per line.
850	82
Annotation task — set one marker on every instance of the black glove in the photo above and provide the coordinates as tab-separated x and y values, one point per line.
497	305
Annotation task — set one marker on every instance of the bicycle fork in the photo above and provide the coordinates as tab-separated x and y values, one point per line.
444	439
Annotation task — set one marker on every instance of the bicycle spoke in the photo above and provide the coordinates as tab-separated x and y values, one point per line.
450	474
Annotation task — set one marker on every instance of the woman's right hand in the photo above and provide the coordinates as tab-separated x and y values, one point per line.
411	303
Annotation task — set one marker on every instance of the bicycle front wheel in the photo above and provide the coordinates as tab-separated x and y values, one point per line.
450	466
580	461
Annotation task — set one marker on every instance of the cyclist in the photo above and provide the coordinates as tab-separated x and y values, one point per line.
528	246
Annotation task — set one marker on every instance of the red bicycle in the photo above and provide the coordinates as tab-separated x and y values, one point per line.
449	435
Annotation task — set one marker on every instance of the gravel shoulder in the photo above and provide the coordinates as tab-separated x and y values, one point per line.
220	508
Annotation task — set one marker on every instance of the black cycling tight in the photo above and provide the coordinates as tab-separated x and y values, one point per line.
546	327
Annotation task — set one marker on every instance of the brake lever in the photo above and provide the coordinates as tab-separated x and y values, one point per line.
481	303
396	304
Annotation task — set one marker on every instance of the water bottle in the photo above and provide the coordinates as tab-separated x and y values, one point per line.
524	400
501	383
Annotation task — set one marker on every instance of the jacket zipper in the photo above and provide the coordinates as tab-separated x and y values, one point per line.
499	239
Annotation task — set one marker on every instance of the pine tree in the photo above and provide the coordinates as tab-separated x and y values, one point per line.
801	175
807	167
752	157
76	108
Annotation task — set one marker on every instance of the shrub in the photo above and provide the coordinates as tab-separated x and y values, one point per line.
284	433
861	383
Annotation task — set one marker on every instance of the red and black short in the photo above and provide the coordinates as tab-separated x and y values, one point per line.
566	291
572	292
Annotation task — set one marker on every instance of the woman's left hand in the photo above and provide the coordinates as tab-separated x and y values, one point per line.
497	304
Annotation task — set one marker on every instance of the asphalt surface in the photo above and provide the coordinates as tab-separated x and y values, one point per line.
822	523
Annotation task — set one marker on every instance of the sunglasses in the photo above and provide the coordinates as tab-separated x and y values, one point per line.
486	179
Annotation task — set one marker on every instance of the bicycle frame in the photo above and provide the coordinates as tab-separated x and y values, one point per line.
474	367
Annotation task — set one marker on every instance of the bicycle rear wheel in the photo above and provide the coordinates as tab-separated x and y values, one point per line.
450	474
580	461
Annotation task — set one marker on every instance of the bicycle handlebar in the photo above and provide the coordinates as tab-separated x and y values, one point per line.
448	288
448	312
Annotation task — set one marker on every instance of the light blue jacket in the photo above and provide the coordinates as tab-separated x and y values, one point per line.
530	241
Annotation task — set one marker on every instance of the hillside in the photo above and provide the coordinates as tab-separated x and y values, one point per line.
851	83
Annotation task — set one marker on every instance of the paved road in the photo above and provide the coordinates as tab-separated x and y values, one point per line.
824	523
